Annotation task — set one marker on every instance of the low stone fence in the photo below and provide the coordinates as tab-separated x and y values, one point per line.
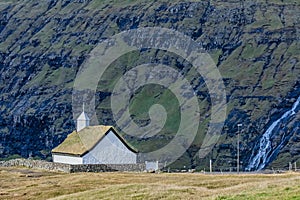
108	168
39	164
36	164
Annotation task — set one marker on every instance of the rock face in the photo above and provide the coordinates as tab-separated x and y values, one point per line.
43	43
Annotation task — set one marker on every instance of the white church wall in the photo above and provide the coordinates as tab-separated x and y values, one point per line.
110	150
67	159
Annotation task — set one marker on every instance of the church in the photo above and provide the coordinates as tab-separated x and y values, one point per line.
94	145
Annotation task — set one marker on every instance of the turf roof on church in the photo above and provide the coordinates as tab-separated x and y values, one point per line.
79	143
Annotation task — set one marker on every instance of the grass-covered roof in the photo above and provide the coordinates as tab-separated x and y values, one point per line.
80	143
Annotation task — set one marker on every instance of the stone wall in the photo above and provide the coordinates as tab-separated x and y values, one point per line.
108	168
39	164
36	164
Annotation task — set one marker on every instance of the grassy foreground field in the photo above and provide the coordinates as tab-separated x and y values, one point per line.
22	183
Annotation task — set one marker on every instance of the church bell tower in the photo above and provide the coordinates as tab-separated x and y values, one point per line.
82	121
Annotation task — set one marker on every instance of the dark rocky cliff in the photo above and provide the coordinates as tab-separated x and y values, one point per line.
43	43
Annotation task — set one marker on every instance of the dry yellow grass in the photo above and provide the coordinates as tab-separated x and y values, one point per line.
22	183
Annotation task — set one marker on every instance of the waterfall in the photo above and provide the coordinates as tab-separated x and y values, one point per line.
265	152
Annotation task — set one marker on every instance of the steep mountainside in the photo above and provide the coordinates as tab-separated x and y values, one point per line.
255	45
